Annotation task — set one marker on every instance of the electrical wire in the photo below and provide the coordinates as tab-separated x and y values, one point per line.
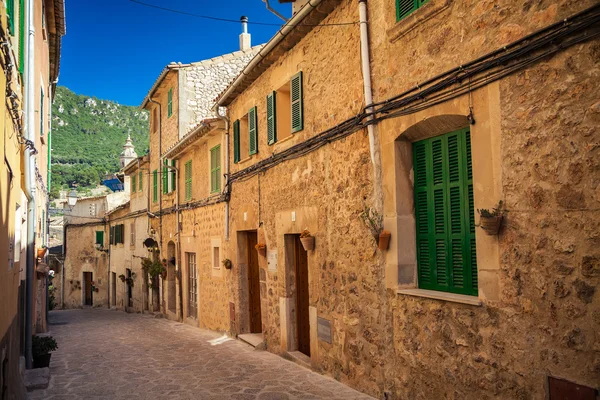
237	21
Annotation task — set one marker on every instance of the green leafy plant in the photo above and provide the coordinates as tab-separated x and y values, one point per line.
152	268
42	345
497	211
305	234
373	220
227	263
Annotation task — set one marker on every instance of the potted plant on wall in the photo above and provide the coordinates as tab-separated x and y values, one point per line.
307	240
227	263
261	248
41	347
491	220
374	222
122	278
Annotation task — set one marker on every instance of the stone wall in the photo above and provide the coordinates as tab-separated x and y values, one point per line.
533	147
81	256
203	81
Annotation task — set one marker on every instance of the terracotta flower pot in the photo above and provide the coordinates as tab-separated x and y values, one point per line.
262	251
308	243
42	268
384	240
41	252
491	225
163	275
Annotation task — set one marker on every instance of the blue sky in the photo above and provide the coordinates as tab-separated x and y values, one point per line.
115	49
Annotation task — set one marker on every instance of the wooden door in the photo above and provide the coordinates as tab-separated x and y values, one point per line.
254	285
113	300
87	281
129	294
303	325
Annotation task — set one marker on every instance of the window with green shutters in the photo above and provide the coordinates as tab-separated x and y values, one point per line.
140	179
173	176
272	117
296	100
252	132
133	183
100	238
215	169
165	177
111	238
155	186
170	103
406	7
21	35
445	221
10	14
236	141
188	180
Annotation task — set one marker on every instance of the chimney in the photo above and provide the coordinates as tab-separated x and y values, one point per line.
245	43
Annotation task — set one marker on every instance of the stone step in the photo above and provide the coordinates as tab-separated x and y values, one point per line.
255	340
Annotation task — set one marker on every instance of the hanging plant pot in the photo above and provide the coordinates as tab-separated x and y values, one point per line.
308	242
163	275
491	225
383	242
227	263
41	252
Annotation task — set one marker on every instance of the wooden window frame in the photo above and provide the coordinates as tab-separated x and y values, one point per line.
215	169
444	214
404	8
100	238
192	270
170	103
155	186
188	180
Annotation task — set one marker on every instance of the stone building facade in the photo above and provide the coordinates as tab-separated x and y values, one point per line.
446	311
186	140
30	59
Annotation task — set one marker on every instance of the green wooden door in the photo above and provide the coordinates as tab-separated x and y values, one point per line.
444	213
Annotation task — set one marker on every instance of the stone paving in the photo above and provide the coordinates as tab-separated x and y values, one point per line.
113	355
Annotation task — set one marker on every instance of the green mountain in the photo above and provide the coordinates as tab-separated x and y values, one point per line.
88	135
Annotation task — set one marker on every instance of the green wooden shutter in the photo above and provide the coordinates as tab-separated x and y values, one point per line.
10	15
112	235
100	238
406	7
133	183
173	176
165	177
252	132
444	214
297	112
215	169
272	117
155	186
188	180
140	179
170	103
41	112
21	35
236	141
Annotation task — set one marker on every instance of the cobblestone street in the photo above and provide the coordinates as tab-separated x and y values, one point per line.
110	354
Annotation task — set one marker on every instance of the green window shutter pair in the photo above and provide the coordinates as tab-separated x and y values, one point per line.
272	118
170	103
236	141
133	183
173	176
100	238
445	222
188	180
215	169
297	114
165	177
406	7
140	179
252	131
155	186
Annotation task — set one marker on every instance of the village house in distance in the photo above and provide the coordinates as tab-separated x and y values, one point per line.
399	194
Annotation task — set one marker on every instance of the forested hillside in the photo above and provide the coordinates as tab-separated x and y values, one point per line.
88	135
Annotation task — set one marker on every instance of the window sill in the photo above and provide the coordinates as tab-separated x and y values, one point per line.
410	22
285	139
444	296
245	160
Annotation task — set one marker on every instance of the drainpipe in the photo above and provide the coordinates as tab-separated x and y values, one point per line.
374	145
160	191
225	119
30	185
